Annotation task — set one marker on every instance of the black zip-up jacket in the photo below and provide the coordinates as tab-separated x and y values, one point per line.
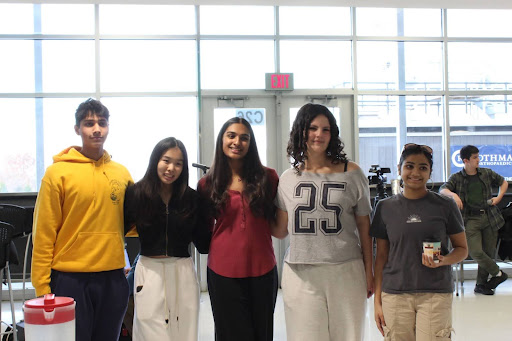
168	232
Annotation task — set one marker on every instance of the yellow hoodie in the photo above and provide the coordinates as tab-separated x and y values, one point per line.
78	217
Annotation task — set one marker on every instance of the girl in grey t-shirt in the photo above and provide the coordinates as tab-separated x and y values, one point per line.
413	293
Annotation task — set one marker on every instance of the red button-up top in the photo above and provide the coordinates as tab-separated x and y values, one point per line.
241	243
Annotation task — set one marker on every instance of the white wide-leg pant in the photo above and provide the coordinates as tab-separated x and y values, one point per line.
166	295
324	302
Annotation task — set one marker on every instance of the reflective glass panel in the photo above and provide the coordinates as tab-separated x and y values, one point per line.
318	64
397	22
17	66
137	124
147	19
67	19
376	21
379	67
383	118
148	65
237	20
16	19
68	66
479	23
18	141
479	66
485	122
320	20
422	22
236	64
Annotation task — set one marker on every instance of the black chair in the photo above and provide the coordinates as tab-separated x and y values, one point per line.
21	219
6	232
17	216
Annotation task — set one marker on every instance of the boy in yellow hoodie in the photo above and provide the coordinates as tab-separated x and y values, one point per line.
78	229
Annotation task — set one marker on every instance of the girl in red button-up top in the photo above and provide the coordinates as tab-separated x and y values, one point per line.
242	274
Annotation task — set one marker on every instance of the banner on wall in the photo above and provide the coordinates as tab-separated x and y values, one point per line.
496	157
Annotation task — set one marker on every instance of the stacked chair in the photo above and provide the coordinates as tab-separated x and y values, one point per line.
6	232
15	222
21	219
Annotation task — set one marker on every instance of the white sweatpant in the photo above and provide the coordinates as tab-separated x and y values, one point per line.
324	302
166	296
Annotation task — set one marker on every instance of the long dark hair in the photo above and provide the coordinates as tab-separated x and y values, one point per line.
147	190
258	189
297	148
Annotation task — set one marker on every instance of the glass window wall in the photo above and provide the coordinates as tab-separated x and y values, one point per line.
479	66
67	19
17	67
318	64
16	19
148	65
386	123
237	20
321	21
18	141
479	23
485	122
147	19
148	75
399	66
236	64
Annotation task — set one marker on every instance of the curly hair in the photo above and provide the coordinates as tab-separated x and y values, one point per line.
297	147
258	189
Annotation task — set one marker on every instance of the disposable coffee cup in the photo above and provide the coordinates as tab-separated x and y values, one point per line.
432	249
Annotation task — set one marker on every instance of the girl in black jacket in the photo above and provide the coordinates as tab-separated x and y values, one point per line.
168	217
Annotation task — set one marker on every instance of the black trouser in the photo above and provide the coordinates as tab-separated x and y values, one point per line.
243	308
101	299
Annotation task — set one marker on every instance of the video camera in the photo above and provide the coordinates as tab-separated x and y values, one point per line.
378	179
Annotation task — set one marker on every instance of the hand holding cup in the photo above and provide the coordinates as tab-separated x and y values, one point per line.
431	254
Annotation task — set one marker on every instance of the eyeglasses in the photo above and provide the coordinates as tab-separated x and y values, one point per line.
421	146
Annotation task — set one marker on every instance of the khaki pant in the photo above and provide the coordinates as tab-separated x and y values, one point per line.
420	317
482	239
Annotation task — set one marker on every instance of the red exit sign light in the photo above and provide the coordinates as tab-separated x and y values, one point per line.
279	81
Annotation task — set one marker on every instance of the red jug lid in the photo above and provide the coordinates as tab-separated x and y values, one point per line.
49	302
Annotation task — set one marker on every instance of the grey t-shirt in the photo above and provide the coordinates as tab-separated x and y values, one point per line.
406	224
321	215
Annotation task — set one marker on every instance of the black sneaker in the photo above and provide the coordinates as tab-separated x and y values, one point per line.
497	280
482	289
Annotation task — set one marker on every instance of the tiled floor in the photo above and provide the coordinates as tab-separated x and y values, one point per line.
475	317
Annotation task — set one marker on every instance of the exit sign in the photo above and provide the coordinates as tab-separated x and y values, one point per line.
279	81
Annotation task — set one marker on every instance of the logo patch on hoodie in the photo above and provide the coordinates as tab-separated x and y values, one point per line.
115	191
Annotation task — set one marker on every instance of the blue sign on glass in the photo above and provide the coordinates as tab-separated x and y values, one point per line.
254	116
496	157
